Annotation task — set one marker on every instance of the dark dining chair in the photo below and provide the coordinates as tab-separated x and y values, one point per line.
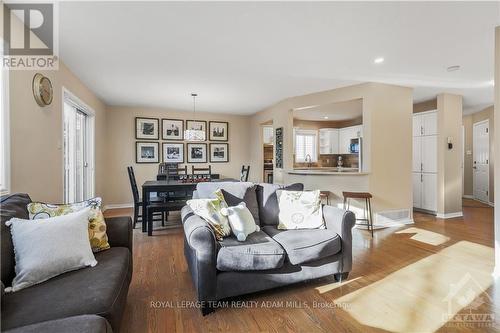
138	216
244	173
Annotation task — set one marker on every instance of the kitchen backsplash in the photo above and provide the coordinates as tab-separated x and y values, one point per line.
330	160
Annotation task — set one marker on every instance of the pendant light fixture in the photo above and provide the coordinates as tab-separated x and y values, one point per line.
194	134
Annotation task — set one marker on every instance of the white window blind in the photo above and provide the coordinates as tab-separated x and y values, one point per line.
4	129
306	144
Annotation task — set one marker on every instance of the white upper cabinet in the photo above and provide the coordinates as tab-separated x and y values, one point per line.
328	141
429	123
267	135
425	123
417	125
345	136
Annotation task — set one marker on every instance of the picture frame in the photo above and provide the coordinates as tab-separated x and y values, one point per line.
219	153
172	129
218	130
196	153
147	152
173	152
147	128
197	124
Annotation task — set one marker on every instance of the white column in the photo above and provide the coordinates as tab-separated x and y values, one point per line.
497	152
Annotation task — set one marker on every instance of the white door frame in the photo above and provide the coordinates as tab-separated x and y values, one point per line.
486	121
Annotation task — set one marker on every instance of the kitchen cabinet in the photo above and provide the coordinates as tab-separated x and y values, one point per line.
425	191
328	141
345	136
424	164
267	135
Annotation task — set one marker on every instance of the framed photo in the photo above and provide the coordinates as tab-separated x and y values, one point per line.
147	128
197	125
219	152
218	130
172	129
147	152
173	152
197	153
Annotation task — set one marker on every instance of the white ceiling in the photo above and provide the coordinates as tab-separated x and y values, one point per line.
243	57
334	111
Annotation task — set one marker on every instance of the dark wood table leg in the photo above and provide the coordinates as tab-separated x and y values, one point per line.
145	199
150	222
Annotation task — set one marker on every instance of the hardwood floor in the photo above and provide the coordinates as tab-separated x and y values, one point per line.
399	283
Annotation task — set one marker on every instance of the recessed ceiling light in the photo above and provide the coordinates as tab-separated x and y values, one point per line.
453	68
325	117
378	60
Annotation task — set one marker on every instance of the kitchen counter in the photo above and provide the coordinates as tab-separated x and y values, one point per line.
326	171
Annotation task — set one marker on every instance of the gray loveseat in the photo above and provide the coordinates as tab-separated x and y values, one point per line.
269	258
87	300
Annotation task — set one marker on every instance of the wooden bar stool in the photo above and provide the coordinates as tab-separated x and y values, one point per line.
368	207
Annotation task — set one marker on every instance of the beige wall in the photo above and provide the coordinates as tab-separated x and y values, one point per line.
36	135
468	123
449	178
387	123
120	141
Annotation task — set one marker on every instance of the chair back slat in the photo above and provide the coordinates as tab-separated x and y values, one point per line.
244	173
133	184
208	170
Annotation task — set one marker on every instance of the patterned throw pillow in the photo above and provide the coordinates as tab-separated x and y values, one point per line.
97	226
299	210
210	211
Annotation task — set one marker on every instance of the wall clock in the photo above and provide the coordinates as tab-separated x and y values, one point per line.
42	90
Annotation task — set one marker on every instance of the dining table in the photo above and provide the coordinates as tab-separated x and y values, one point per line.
164	186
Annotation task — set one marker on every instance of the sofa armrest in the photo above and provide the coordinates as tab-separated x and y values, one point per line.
341	221
200	249
119	231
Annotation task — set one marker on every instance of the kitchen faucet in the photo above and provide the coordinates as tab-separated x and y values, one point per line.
308	160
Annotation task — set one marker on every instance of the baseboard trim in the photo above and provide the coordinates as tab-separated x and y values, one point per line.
468	196
117	206
449	215
492	204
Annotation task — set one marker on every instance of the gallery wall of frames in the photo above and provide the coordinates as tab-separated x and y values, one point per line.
162	140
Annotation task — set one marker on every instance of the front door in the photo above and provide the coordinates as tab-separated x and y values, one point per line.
481	154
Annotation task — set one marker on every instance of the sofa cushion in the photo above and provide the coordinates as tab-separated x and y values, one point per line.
306	245
234	193
258	252
268	201
92	290
76	324
13	205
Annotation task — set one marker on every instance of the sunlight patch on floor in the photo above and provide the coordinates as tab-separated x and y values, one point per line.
421	296
331	286
425	236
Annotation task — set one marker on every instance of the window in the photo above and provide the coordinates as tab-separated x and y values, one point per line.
78	133
306	145
4	128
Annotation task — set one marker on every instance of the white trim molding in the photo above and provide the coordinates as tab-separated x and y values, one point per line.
449	215
118	206
467	196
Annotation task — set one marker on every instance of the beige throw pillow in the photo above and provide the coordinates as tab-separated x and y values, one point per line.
299	210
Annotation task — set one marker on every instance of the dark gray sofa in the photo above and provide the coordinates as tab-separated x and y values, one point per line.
269	258
91	299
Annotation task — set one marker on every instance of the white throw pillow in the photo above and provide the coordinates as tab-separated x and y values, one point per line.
241	221
299	210
48	247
